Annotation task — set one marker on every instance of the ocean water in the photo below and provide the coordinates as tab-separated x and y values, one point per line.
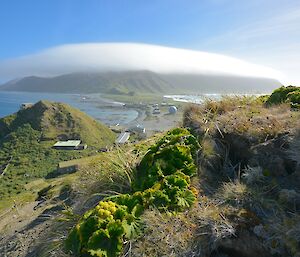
104	110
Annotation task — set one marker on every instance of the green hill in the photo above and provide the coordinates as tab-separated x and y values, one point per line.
58	121
27	137
102	82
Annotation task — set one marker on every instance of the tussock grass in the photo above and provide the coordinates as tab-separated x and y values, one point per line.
234	133
253	175
165	235
245	116
107	174
196	232
235	193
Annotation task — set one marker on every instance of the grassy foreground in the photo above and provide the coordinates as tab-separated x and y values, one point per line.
235	194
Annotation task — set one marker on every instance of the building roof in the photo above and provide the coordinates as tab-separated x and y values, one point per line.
69	143
123	138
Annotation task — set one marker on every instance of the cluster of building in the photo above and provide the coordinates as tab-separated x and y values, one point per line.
124	136
156	110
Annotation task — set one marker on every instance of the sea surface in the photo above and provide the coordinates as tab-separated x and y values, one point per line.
104	110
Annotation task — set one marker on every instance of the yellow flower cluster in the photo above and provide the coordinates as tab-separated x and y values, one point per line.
106	210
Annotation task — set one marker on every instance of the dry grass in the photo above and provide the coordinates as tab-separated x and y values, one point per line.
247	197
111	172
235	193
208	147
165	234
241	115
253	175
196	232
104	175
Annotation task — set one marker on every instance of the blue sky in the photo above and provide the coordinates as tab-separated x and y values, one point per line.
265	32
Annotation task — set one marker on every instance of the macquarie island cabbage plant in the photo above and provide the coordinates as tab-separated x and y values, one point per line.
162	179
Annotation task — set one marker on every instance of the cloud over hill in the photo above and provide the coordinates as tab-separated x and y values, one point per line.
128	56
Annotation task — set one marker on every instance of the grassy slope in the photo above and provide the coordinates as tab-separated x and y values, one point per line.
28	136
99	172
55	119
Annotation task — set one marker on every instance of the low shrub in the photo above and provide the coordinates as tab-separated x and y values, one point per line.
162	180
284	94
173	152
172	193
100	231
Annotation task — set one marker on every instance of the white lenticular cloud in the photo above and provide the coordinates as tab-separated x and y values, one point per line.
128	56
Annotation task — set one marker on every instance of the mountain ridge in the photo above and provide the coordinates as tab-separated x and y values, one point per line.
142	82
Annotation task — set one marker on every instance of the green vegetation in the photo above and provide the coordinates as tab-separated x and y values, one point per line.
26	140
294	98
57	120
101	231
172	153
290	94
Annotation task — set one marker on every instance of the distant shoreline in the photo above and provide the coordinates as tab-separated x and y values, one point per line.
198	99
98	107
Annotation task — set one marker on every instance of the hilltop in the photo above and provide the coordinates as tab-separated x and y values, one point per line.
141	82
58	121
27	137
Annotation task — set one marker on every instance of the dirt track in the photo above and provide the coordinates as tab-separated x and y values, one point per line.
22	229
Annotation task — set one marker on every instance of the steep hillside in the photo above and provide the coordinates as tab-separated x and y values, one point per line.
141	82
58	121
26	140
108	82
